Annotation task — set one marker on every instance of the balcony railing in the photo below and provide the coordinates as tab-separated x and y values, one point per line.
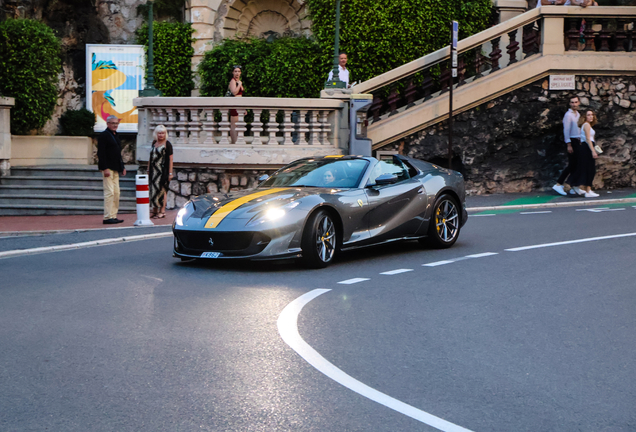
544	31
269	131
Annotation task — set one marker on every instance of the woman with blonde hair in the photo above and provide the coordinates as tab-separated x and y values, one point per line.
159	171
583	177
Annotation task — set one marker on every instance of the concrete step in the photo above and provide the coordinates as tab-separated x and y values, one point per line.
61	190
30	190
61	181
53	210
81	201
66	171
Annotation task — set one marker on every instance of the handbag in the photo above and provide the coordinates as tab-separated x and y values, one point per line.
598	148
229	93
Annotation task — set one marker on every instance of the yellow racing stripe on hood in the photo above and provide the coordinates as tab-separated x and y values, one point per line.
228	208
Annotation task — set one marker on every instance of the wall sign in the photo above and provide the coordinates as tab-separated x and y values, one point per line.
114	76
562	82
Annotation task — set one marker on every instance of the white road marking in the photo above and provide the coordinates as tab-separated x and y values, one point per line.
288	330
103	242
479	215
571	242
437	263
537	212
599	210
480	255
394	272
352	281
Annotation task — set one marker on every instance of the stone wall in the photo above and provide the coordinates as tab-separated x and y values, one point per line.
192	181
128	146
77	23
514	143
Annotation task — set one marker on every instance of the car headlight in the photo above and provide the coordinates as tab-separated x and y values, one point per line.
272	214
184	213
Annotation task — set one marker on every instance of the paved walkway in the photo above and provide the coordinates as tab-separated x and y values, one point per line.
20	225
53	224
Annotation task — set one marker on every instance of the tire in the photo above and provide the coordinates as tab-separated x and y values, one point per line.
444	226
320	240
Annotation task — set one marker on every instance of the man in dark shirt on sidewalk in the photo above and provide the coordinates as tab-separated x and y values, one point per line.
110	163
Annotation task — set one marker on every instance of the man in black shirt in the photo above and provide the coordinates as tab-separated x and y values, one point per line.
110	163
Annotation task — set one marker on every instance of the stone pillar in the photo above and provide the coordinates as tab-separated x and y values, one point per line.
203	16
144	134
339	119
5	135
509	9
552	42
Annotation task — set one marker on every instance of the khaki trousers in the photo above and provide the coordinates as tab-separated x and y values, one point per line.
111	195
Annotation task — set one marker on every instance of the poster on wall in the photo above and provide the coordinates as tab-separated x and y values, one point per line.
114	76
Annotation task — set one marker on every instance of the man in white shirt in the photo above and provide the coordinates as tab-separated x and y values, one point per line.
572	137
343	72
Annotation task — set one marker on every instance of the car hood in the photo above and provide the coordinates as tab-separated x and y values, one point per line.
245	204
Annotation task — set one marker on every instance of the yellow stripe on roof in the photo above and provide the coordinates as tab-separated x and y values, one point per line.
334	156
228	208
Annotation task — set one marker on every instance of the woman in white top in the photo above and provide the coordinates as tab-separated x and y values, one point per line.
586	164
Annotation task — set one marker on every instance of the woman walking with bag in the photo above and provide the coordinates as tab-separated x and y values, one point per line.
235	87
588	152
159	171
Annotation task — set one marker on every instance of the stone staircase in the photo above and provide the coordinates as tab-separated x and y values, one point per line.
61	190
521	51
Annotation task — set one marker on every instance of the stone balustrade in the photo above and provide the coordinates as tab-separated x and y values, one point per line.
540	42
270	131
5	135
544	31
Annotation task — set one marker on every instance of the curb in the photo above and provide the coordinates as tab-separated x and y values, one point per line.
558	204
33	251
69	231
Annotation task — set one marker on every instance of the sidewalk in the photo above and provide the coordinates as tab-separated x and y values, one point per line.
23	225
543	199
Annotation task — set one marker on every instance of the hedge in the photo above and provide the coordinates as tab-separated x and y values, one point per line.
29	67
172	56
382	35
285	67
79	122
377	35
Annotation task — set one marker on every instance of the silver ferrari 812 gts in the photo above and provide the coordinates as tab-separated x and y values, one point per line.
314	208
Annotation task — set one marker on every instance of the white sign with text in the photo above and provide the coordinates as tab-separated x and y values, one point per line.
562	82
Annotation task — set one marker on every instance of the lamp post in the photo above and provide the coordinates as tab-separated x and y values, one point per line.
335	82
150	90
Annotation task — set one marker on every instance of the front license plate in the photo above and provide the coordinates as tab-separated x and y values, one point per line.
210	254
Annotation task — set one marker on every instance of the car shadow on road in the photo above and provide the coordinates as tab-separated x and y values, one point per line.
393	250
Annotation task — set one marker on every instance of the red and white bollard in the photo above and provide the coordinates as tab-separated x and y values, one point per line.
143	201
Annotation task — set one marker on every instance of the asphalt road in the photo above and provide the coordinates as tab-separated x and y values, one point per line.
125	338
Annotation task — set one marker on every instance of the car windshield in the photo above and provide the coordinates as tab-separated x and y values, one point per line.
319	173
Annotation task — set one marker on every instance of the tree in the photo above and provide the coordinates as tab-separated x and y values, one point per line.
29	68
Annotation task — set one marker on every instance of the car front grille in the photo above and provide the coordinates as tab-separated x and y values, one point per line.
229	243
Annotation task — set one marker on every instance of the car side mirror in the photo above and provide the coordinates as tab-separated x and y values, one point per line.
263	178
386	179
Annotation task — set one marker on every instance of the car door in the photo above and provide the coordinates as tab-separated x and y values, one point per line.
395	210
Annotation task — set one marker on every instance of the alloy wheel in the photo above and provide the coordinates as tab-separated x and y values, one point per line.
447	220
325	239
